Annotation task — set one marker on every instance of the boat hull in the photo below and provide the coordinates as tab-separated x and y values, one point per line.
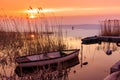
61	63
99	39
50	61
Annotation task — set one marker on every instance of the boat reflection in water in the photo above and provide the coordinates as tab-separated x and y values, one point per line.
58	70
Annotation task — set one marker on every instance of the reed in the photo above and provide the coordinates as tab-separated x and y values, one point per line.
24	36
110	28
32	37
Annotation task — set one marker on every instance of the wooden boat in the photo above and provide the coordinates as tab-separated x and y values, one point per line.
48	58
115	67
99	39
113	76
114	72
90	40
53	60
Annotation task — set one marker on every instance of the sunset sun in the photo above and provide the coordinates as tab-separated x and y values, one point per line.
36	12
32	16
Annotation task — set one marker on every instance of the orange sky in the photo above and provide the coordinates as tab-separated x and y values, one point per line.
62	7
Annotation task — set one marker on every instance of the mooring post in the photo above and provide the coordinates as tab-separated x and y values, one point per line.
81	55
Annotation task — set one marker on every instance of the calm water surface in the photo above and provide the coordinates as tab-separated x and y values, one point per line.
98	62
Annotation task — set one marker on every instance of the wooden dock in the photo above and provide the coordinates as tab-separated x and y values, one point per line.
99	39
115	67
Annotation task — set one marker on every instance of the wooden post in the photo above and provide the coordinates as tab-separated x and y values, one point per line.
81	55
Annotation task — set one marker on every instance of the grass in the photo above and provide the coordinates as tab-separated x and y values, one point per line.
110	28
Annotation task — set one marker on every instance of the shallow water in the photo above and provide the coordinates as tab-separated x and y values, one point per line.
99	63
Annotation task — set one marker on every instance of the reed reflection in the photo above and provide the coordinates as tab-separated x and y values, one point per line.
108	47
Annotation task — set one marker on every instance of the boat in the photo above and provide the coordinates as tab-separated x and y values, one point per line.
53	60
115	67
114	72
91	40
113	76
99	39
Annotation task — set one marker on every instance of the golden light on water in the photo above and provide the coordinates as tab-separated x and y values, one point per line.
32	35
32	16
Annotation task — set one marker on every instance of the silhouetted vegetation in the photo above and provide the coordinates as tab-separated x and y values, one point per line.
110	28
30	36
24	36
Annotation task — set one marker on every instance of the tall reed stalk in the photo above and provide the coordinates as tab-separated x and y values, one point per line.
24	36
110	28
29	36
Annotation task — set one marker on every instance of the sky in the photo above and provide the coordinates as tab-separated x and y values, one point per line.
60	7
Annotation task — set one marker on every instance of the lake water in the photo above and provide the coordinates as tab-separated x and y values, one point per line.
99	63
